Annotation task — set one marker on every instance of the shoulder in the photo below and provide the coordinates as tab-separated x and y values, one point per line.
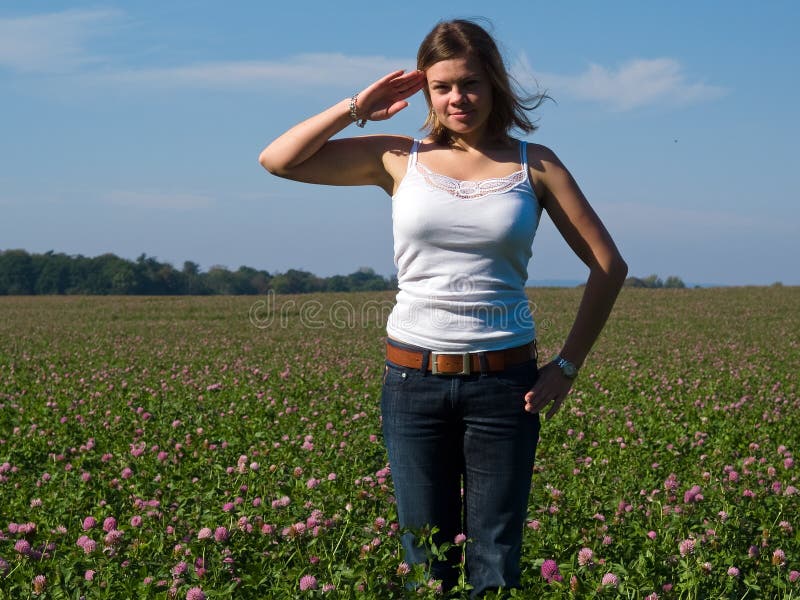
394	151
544	164
389	141
375	143
380	145
399	145
540	157
386	156
548	174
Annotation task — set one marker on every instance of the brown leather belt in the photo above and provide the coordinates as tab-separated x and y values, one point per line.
462	363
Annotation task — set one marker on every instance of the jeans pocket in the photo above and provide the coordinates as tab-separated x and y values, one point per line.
519	378
393	376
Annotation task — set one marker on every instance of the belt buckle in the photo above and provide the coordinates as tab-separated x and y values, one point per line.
466	364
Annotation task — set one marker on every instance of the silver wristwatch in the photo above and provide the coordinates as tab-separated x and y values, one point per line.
569	369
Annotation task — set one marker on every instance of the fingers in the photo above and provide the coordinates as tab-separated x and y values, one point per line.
399	81
415	75
396	108
538	407
386	97
380	87
539	404
408	84
389	77
555	408
551	389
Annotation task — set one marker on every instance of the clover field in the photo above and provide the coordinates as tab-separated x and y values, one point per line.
230	447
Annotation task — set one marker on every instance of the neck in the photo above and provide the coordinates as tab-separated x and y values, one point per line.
477	141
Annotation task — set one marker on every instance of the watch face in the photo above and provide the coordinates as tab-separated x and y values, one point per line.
569	370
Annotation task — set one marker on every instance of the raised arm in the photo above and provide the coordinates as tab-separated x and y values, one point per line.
587	236
306	152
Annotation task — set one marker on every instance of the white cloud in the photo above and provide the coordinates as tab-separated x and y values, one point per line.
51	43
158	200
59	43
302	71
635	83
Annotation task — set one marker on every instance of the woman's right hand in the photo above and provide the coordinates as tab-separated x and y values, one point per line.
387	96
306	153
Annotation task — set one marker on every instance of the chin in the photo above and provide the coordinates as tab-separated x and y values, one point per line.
461	125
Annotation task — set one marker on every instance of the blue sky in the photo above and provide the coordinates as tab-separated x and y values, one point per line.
136	127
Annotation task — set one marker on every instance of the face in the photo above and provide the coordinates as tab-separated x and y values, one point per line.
461	94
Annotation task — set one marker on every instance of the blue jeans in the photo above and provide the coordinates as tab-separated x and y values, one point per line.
445	433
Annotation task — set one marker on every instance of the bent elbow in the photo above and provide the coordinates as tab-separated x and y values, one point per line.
274	161
267	161
613	267
618	268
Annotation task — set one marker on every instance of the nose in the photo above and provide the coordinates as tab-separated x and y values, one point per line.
458	95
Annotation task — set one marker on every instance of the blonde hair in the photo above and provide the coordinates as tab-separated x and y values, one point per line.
461	38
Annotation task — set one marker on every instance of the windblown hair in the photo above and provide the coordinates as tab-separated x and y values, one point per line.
462	38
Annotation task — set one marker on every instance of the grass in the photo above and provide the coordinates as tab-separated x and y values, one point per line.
672	461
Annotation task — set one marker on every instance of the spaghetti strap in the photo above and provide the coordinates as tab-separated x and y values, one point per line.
523	154
412	154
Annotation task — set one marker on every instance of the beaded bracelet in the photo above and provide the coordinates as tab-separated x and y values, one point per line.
354	114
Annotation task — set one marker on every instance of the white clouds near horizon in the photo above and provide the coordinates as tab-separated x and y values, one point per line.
633	84
302	70
53	42
58	42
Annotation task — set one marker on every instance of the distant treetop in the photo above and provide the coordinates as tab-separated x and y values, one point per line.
654	281
22	273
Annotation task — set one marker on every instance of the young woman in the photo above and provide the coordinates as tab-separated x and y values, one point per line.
462	391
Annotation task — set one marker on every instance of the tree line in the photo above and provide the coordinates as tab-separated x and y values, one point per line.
22	273
654	281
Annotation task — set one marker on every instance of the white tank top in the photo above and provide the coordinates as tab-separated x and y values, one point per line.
462	249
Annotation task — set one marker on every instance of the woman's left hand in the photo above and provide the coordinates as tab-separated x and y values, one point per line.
552	386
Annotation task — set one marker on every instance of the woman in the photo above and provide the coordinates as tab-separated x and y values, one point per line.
462	392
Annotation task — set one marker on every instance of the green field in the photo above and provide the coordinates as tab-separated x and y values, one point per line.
155	447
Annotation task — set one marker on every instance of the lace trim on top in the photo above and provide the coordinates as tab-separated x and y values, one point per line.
468	190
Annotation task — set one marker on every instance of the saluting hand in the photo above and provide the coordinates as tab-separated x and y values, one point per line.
387	96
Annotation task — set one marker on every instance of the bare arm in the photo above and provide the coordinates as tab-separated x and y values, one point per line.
306	153
587	236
